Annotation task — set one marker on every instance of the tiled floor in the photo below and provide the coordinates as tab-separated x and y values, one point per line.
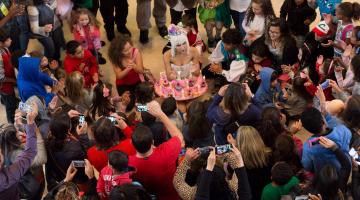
151	52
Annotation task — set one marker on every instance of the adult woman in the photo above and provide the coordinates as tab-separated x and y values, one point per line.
230	108
216	185
198	131
279	41
107	139
12	144
63	147
181	61
256	158
47	27
127	65
10	175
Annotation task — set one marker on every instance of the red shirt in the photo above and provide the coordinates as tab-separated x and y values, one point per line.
90	68
156	172
7	87
132	77
99	158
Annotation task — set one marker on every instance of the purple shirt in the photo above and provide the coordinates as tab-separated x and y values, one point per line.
10	176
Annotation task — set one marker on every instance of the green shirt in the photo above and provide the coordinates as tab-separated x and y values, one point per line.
272	192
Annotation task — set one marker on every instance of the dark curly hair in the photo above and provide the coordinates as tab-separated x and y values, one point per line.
266	7
232	36
116	47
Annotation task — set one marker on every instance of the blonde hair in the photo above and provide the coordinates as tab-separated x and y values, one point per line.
252	147
68	191
74	85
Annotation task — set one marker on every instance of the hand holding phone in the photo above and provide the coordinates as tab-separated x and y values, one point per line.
222	149
78	163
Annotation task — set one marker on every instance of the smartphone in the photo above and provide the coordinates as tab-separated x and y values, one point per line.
81	120
142	108
78	163
204	150
354	155
112	119
314	141
325	84
24	107
223	149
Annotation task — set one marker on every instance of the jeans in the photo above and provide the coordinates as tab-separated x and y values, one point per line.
176	16
143	13
10	102
107	8
19	33
238	18
53	44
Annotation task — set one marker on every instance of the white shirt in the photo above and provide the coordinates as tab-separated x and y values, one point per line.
239	5
258	24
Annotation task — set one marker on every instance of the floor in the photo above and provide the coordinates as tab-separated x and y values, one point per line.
151	52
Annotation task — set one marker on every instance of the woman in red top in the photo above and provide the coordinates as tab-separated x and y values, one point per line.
128	66
107	139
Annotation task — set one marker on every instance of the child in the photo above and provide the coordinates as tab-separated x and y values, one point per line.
31	81
7	77
355	39
78	59
189	24
260	57
283	180
214	14
46	26
117	172
345	12
168	106
269	92
299	16
86	31
258	15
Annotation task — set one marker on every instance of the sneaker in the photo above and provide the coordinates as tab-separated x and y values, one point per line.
163	31
124	30
144	36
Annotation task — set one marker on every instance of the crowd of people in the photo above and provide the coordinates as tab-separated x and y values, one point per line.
280	119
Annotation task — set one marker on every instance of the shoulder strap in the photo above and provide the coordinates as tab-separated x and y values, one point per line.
346	29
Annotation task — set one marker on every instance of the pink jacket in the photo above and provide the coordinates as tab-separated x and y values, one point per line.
107	181
88	36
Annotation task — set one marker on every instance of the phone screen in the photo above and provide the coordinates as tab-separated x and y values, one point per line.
142	108
223	149
112	119
81	119
78	163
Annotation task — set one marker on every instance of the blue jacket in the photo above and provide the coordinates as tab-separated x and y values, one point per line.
266	96
216	115
315	157
31	80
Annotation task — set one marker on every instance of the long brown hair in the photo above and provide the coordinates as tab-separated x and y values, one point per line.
82	11
116	48
266	7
